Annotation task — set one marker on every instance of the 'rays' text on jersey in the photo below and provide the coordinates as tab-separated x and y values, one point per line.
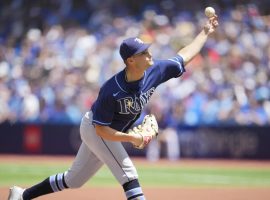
135	104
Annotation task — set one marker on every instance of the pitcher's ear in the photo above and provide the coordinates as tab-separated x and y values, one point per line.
130	60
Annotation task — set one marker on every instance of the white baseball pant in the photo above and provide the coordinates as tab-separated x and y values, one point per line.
93	153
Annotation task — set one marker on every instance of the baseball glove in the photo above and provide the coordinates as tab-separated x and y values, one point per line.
148	130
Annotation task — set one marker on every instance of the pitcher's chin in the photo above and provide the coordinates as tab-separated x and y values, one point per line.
151	62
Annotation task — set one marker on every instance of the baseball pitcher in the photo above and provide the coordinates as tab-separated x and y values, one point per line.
118	105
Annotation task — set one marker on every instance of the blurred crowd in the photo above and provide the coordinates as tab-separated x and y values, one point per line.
55	55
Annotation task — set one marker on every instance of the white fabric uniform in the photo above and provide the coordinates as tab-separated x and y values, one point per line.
93	153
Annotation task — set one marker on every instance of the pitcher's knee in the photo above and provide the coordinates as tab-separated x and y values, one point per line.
73	181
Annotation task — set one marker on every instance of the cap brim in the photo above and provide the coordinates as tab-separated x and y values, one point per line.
142	48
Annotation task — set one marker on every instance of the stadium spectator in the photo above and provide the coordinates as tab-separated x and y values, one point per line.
54	56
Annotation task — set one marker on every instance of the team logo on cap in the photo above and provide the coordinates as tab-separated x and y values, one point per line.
138	40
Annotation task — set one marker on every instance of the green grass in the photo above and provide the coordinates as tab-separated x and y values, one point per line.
186	176
156	176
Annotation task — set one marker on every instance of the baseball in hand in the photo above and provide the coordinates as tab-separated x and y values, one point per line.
209	12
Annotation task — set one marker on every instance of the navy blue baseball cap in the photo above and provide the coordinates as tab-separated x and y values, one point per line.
132	46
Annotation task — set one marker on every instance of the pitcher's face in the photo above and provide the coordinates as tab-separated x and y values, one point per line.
144	59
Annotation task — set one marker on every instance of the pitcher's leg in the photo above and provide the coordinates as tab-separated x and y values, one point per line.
116	158
111	153
85	165
118	161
